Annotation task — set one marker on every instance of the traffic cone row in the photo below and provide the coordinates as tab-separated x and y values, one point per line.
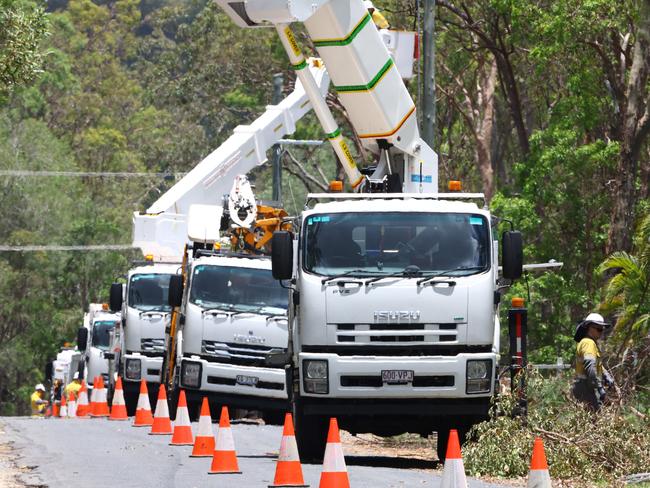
288	471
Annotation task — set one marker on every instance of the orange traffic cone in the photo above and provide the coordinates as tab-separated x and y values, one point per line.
55	409
143	417
72	406
288	471
204	441
224	460
118	408
453	474
162	425
538	477
101	403
182	435
63	410
335	473
82	405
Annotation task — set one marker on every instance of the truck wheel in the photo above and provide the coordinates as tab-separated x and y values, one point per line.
273	417
442	439
311	434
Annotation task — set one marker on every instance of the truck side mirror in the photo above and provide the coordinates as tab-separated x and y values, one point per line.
82	338
115	298
175	298
282	255
512	256
49	370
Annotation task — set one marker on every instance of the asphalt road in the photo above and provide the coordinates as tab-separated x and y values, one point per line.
99	453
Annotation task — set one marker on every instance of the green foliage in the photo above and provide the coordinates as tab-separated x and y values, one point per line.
597	448
627	298
23	25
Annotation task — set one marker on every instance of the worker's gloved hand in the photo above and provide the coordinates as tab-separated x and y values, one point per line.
608	379
601	394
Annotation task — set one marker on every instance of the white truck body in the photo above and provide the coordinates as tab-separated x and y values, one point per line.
65	365
395	324
234	330
100	324
145	315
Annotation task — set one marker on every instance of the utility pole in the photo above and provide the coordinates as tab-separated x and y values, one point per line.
278	82
429	78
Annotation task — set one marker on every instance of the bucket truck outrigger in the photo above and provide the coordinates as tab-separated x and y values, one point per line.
394	309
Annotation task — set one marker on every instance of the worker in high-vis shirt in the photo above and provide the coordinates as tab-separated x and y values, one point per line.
39	404
73	387
591	376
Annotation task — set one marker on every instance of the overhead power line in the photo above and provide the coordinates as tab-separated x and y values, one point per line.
91	174
98	247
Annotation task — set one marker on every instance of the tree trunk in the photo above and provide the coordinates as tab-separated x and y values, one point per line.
484	131
636	125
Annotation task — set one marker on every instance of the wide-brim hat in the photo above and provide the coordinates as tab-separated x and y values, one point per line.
591	320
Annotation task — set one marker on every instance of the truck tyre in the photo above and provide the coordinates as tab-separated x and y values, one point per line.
442	438
273	417
311	434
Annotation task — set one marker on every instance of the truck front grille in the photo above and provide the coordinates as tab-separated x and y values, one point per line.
396	333
152	346
240	354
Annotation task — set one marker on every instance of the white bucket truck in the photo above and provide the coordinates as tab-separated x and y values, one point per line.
395	288
95	341
145	315
230	343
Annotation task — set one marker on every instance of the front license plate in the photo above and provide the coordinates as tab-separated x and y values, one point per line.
396	376
246	380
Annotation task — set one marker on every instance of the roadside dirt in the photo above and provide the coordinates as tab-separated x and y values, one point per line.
9	472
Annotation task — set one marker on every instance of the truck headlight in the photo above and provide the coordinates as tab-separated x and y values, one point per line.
478	376
191	374
133	369
316	376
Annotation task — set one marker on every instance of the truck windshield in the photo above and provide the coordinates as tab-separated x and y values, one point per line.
102	334
148	292
237	289
378	243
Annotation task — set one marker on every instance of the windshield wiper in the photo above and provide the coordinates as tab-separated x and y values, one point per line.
410	271
428	279
228	310
327	279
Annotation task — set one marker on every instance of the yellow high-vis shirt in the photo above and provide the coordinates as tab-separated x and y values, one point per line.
73	387
587	349
38	408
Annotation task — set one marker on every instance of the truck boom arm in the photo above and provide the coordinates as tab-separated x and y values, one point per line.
366	78
162	229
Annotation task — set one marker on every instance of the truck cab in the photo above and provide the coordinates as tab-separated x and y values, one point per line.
232	338
95	340
144	316
394	315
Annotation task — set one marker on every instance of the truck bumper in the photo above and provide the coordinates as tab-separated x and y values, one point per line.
219	380
360	377
150	368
